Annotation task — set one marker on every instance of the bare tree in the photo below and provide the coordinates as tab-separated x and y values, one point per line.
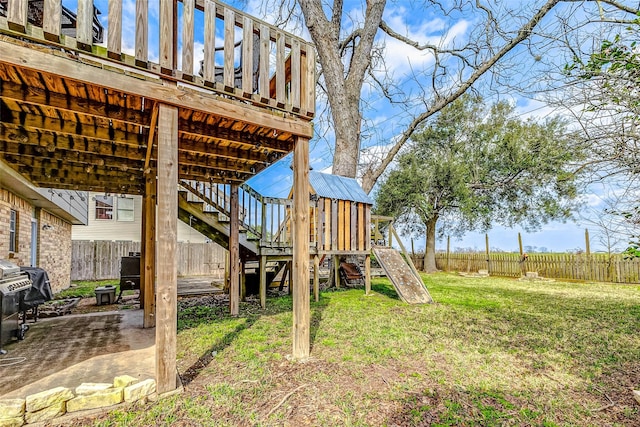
354	46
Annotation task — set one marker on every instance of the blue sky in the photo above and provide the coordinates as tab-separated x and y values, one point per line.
383	121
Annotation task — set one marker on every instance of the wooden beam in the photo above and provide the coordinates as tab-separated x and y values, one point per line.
367	274
96	130
35	96
336	270
151	137
167	295
234	253
263	281
219	134
148	251
300	276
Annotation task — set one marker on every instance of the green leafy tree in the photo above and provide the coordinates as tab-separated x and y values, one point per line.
477	165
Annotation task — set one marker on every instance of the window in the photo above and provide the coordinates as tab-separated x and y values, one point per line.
104	207
13	231
125	209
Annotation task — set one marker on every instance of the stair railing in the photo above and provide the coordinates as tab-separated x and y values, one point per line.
264	218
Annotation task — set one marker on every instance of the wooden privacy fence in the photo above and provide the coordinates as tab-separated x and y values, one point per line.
100	260
595	267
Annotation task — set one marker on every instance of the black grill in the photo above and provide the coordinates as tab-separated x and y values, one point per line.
13	285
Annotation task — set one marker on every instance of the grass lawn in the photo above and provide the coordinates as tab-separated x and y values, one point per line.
490	352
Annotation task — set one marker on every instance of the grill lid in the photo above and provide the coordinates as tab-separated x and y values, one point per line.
8	268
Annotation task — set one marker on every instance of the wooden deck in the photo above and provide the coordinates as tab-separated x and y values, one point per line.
74	114
114	113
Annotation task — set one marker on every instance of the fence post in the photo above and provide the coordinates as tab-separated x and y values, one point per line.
448	251
486	244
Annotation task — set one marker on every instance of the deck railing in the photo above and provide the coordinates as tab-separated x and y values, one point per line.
255	61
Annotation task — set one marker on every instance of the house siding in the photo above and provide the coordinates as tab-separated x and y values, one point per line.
113	229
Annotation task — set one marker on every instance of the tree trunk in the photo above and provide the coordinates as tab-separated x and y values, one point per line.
430	246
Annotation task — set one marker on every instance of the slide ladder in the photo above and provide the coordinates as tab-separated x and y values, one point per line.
404	277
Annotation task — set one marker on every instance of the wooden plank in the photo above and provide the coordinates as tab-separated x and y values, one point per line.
166	37
309	103
280	70
229	51
328	228
84	24
301	313
114	30
234	253
148	251
247	56
142	32
320	224
367	225
188	19
336	270
347	225
353	227
51	18
295	75
166	310
334	225
17	15
209	41
263	73
341	225
35	60
362	231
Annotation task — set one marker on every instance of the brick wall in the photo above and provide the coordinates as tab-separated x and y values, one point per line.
54	242
54	250
8	202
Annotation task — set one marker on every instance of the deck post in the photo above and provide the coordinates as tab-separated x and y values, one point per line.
148	251
336	270
234	253
263	281
300	277
166	310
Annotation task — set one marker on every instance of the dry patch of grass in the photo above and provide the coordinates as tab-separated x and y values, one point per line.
490	352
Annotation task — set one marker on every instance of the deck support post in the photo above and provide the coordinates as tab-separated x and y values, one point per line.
263	281
300	277
148	252
316	277
336	270
367	274
234	253
166	310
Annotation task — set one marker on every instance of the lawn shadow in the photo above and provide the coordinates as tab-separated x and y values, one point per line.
386	290
193	371
317	308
